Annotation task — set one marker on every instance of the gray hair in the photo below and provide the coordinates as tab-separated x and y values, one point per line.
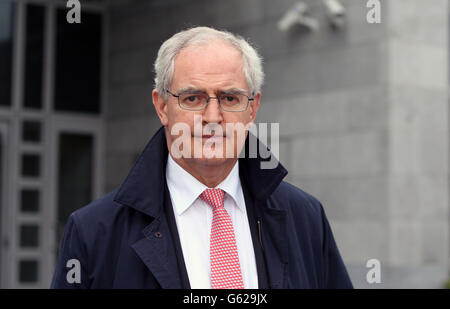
165	62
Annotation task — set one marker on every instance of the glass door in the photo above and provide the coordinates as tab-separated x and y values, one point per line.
77	170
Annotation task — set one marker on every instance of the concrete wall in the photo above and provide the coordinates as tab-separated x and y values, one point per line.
362	111
418	131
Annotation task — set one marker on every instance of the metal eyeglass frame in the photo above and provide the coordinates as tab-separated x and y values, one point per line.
207	102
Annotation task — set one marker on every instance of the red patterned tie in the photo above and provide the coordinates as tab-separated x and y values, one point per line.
224	258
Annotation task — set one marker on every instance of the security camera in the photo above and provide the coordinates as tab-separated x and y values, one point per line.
335	13
297	16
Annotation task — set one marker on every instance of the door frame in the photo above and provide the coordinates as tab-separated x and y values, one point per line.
5	211
73	125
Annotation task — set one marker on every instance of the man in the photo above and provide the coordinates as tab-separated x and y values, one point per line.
191	214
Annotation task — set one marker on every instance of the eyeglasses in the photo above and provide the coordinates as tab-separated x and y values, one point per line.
197	101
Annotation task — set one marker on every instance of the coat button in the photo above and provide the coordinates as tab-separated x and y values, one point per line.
158	235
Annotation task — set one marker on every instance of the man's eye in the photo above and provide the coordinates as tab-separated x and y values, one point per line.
229	99
191	98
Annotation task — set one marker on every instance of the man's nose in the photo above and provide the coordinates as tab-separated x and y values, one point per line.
212	112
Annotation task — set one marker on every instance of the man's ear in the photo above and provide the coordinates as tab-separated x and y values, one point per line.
160	105
254	106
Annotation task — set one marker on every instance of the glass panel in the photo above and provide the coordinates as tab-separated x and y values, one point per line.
28	271
78	63
6	45
29	236
31	131
31	165
34	52
74	175
29	199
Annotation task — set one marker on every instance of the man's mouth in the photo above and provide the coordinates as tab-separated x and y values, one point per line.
206	136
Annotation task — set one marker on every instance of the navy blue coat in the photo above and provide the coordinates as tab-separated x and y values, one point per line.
125	240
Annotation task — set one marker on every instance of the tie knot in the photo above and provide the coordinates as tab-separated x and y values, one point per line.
214	197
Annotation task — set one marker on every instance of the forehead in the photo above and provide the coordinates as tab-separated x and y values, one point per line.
214	63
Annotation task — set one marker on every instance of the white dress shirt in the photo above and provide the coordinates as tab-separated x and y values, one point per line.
193	217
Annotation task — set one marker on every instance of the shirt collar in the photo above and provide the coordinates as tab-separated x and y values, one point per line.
185	188
232	186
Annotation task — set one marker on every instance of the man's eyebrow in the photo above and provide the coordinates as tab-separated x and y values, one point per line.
190	90
233	91
194	90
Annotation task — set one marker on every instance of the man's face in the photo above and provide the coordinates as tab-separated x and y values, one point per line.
214	68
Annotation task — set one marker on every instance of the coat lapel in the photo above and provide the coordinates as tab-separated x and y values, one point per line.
157	252
143	190
261	183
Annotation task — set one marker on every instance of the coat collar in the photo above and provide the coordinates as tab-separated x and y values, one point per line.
143	189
